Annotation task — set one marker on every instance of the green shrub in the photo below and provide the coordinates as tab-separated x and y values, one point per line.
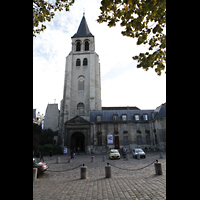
47	147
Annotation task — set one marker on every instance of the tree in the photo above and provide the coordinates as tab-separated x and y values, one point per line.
46	136
44	11
142	19
36	132
135	16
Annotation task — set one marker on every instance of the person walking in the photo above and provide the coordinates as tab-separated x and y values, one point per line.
50	152
41	157
78	150
72	154
74	151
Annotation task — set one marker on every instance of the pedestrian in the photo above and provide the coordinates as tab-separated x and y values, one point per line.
78	150
50	152
72	154
41	157
74	151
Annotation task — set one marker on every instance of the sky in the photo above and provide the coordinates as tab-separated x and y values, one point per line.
122	83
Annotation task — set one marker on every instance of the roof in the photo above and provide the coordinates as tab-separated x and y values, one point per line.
160	111
83	30
121	108
107	115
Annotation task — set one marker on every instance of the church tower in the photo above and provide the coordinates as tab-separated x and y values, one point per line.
82	81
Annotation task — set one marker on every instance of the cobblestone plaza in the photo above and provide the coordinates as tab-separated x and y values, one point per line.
62	183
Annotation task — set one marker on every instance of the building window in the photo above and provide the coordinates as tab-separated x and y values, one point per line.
145	117
78	46
78	62
137	126
148	141
125	128
126	140
139	139
85	62
137	117
116	129
98	118
115	117
146	127
81	81
86	46
81	109
123	117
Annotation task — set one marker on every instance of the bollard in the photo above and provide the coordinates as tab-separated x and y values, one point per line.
69	159
108	171
161	155
104	158
138	156
158	168
83	172
127	157
92	159
35	173
58	160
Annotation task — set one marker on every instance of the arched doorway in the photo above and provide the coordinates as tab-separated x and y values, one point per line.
78	140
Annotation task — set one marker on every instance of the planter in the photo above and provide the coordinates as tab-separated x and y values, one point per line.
99	132
125	132
147	131
116	132
138	131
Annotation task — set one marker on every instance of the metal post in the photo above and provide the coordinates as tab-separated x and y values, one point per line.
127	157
35	173
92	159
108	171
83	172
69	159
138	156
158	168
58	160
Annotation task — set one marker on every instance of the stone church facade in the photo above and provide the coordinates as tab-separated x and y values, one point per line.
84	123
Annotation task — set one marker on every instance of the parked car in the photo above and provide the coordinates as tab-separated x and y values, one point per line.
139	151
114	153
42	167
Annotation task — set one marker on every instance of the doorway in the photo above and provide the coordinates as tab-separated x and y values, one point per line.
116	142
78	140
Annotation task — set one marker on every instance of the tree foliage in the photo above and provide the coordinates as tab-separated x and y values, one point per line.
144	20
36	133
44	11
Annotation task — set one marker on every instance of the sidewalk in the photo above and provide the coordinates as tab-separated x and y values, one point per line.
139	184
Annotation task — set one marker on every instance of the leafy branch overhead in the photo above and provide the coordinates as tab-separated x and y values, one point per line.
44	11
144	20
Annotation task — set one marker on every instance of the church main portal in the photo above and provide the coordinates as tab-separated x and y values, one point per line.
78	140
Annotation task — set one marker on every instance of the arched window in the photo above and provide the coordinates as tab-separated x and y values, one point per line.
81	109
86	46
84	61
81	81
78	62
78	46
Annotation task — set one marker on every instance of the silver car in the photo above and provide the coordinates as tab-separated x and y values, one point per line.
139	151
